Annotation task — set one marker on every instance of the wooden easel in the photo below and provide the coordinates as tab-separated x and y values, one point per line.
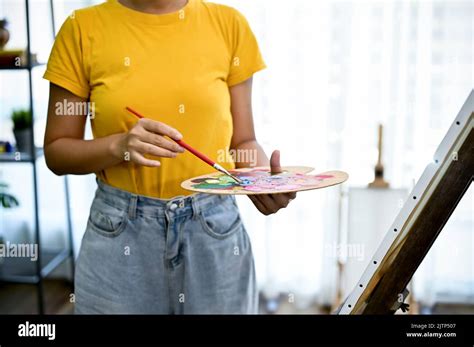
381	289
379	181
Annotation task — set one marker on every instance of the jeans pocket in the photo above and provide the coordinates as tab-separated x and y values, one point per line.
221	220
107	220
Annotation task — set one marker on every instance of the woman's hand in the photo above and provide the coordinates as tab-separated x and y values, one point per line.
271	203
147	137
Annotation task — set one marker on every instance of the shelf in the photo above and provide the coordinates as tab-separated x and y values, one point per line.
25	67
25	157
22	270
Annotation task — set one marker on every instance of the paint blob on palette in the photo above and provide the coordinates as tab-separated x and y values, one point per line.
260	181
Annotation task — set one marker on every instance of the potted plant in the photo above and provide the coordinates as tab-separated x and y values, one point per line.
4	34
22	128
6	201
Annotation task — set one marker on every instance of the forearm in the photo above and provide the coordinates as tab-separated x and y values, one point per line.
79	157
255	151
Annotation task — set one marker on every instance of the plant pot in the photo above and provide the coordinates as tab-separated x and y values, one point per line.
23	140
4	33
2	244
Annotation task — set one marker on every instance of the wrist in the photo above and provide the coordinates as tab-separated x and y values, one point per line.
117	147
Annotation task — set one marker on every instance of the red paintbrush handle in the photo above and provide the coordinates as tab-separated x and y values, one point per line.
180	142
134	112
195	152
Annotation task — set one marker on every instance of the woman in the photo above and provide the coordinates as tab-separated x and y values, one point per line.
150	246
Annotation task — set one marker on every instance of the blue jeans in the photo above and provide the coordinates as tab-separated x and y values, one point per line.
187	255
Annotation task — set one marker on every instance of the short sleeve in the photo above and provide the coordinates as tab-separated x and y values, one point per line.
246	56
67	65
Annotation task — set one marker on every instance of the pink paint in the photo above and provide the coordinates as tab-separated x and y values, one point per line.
323	176
254	188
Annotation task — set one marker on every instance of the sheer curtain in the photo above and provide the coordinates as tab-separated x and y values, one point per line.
335	70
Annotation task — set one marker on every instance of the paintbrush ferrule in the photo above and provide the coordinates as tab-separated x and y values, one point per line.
221	169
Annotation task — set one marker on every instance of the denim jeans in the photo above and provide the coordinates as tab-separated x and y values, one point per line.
186	255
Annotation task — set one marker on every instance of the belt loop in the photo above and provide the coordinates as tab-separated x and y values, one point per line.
132	207
195	206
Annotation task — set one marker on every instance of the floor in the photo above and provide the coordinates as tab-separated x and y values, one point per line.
22	298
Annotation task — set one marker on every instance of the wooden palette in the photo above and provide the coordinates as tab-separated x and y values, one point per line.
259	180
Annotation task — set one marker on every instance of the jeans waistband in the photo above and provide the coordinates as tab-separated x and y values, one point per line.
149	206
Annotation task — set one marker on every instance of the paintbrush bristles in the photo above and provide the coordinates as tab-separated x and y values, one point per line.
224	171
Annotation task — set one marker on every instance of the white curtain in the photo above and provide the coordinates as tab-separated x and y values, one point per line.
335	70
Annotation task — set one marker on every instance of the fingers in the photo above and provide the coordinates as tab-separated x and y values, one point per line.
160	141
258	204
272	203
147	138
275	162
160	128
265	204
141	160
147	148
282	200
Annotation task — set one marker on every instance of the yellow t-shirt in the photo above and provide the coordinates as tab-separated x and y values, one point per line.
175	68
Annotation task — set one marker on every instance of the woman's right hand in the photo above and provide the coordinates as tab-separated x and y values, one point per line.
147	137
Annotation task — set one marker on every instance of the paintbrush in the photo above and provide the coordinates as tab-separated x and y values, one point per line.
195	152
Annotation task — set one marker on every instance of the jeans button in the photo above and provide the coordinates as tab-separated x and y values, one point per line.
181	204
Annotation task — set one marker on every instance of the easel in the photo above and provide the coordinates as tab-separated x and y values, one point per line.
379	181
382	287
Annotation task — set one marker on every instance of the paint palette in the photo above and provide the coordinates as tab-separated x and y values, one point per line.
259	180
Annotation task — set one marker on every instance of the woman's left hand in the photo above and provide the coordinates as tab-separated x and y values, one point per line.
271	203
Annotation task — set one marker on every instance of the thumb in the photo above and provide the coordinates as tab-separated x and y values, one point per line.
275	162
